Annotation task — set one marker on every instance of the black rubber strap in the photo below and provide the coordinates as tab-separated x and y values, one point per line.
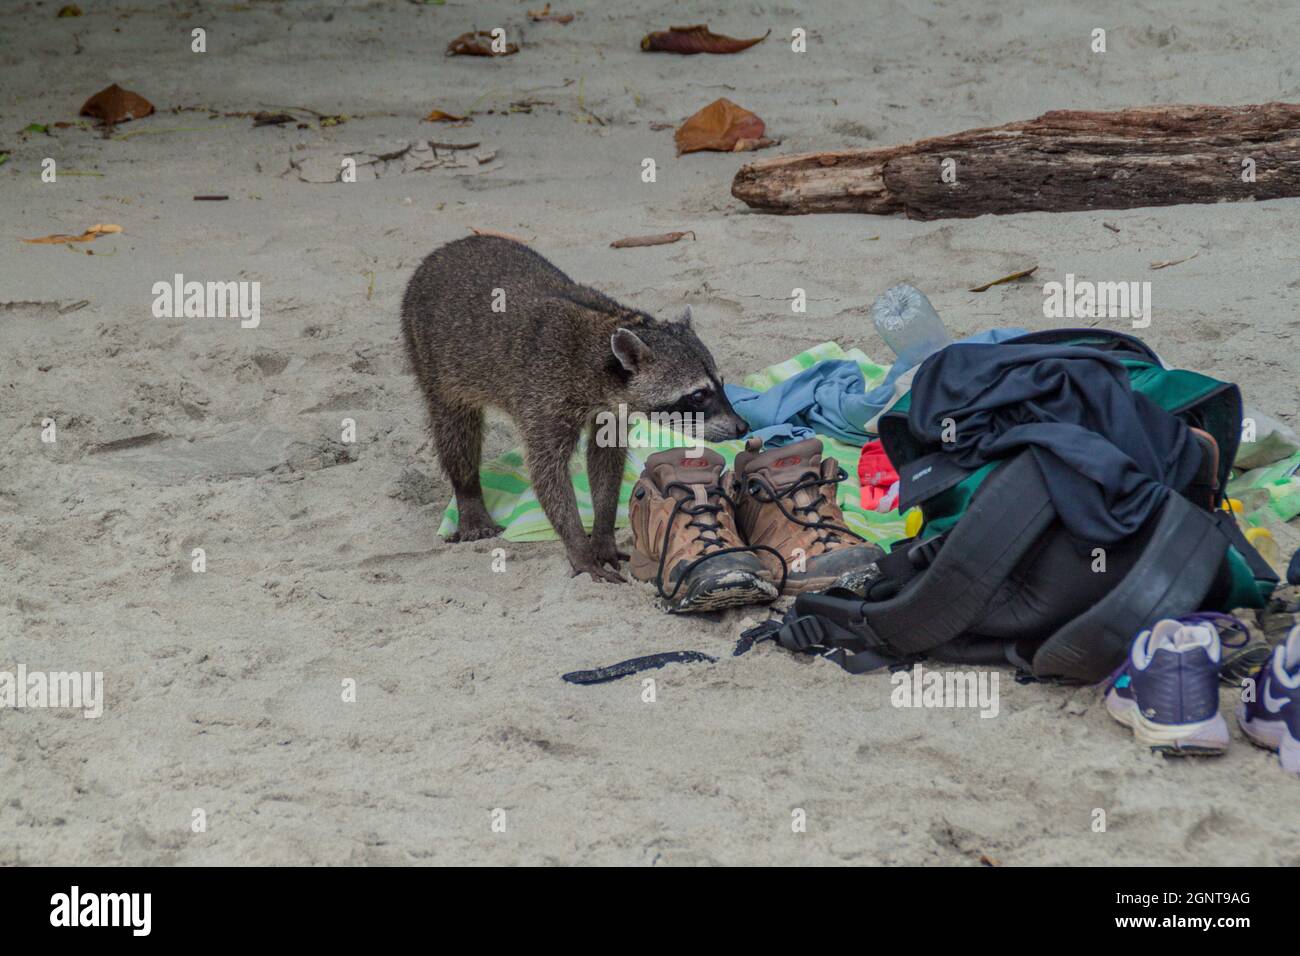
601	675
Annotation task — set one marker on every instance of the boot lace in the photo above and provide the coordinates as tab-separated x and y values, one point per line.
704	518
762	491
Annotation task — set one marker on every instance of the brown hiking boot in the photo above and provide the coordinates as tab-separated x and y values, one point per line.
684	535
787	502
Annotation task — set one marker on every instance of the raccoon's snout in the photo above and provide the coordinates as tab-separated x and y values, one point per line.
725	427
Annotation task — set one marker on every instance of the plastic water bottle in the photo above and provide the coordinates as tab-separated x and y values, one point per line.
908	323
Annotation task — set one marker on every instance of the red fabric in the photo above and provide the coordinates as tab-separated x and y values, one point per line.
876	474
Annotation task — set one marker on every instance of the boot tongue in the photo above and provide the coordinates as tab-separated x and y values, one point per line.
787	464
701	469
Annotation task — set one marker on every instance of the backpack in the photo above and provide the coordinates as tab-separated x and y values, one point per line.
994	577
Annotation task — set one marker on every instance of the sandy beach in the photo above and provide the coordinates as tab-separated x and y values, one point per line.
224	690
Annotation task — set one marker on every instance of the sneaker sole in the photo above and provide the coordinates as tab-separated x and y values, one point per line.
1272	735
1241	662
1204	738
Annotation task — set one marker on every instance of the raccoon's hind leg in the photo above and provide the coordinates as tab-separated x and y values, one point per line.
458	437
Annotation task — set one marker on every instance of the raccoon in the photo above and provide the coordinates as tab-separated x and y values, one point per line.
553	356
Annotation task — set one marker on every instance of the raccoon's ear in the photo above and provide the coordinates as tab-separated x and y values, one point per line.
684	318
630	351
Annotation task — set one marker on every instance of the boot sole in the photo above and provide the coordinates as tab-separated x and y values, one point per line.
793	587
729	589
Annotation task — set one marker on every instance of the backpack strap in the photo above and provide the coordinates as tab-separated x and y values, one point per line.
1174	573
814	633
1006	517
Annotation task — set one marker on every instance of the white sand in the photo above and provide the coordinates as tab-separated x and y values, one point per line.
223	688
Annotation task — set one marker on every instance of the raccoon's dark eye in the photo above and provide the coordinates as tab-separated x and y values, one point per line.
698	396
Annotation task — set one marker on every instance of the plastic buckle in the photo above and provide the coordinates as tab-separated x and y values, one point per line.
802	633
922	555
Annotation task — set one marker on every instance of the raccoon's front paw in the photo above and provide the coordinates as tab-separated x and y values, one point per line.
588	564
605	551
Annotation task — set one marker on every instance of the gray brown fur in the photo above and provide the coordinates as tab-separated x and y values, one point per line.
559	354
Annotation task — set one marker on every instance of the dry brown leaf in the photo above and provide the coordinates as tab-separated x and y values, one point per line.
477	43
265	118
695	39
719	126
94	232
1011	278
500	235
116	105
1173	262
662	239
748	145
438	116
545	15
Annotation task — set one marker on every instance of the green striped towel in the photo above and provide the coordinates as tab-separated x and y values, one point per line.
508	491
1269	494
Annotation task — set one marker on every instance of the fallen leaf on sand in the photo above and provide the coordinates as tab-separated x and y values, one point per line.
94	232
499	235
264	118
1023	273
988	860
71	10
334	120
695	39
438	116
719	126
478	44
660	240
748	145
545	15
1173	262
116	105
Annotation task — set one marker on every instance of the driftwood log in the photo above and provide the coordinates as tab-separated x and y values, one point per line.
1062	161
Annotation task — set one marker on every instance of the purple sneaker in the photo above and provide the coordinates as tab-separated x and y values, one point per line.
1168	689
1272	718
